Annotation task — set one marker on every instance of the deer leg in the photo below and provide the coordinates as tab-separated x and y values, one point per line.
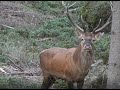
70	85
80	84
51	81
47	82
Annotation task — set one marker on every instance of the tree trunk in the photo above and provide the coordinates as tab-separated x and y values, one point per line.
113	72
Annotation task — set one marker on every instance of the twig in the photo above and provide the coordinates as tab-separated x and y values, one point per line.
1	69
16	65
24	73
7	26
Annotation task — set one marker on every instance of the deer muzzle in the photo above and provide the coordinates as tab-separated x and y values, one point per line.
87	47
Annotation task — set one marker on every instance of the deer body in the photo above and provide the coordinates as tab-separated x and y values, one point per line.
69	67
70	64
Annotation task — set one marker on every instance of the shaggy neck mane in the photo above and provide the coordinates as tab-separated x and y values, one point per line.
82	58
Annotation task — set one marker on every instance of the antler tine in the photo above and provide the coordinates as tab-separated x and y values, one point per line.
97	25
69	17
111	5
83	21
82	18
71	5
101	28
63	4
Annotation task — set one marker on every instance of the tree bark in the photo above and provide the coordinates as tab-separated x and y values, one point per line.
113	72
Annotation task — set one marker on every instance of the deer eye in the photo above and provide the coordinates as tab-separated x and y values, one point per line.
93	39
82	39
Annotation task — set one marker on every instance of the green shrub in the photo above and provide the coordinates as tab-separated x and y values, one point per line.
46	7
4	58
54	28
3	82
4	31
42	33
23	32
102	48
7	82
60	84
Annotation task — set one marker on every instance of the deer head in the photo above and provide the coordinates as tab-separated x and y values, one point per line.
87	37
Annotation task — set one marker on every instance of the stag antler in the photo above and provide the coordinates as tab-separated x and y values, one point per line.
101	28
111	5
97	25
69	17
95	30
83	21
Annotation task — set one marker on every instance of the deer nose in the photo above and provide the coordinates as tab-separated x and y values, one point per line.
87	46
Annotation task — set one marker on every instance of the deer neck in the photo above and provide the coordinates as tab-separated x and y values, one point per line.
83	59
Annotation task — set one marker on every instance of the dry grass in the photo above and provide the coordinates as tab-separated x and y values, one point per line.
17	15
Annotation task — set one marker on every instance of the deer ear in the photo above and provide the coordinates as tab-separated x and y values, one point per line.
99	35
81	36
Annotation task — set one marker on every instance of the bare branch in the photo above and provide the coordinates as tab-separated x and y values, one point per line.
7	26
25	74
1	69
16	65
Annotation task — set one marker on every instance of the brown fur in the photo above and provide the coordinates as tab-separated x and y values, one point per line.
70	64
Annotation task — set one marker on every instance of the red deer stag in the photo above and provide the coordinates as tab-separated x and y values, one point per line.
70	64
